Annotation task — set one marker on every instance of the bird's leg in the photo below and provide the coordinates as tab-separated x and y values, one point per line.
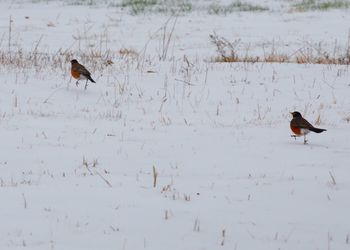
295	137
77	83
86	84
305	141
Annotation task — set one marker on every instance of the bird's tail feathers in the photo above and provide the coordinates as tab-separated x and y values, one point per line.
318	130
92	80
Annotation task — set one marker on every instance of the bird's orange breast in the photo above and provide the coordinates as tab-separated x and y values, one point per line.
75	74
296	130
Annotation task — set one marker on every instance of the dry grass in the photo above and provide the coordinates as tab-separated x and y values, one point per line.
125	52
229	52
321	5
282	58
96	58
59	60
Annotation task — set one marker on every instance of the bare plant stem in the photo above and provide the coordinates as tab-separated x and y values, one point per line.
10	32
155	175
94	164
24	200
333	179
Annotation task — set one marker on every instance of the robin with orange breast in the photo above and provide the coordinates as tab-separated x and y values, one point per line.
79	72
302	127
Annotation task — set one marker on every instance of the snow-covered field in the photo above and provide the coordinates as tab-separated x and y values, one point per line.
77	168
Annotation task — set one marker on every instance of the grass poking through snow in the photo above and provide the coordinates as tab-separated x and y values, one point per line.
306	5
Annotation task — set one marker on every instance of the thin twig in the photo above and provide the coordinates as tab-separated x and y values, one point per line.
333	179
188	83
10	32
24	200
155	176
52	93
103	178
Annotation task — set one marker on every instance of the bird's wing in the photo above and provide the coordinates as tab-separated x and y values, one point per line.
302	123
82	70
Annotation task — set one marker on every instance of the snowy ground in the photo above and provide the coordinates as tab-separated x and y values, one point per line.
76	167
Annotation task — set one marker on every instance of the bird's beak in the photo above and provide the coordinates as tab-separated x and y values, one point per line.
291	113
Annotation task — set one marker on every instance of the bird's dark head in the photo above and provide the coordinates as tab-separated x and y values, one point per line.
74	61
296	114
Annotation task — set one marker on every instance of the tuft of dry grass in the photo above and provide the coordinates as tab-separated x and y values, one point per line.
227	50
279	58
124	52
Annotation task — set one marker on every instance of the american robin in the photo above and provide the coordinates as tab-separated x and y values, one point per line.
300	126
79	72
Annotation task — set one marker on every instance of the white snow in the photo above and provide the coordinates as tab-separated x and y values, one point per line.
76	167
